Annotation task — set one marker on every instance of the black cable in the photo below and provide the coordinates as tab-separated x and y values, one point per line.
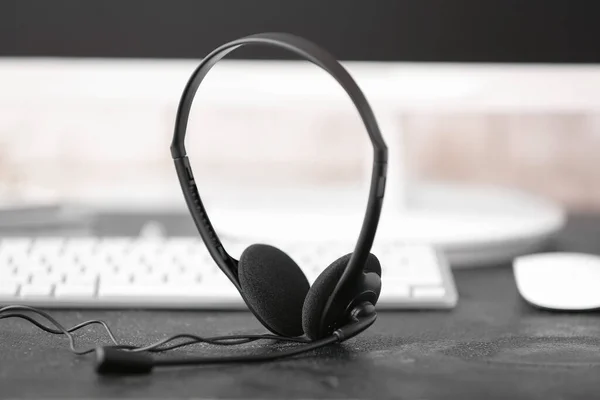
120	358
61	328
194	339
245	358
33	321
231	340
217	340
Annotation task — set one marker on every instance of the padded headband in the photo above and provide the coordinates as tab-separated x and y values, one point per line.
318	56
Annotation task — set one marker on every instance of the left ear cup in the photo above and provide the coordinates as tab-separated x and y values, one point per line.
323	287
275	288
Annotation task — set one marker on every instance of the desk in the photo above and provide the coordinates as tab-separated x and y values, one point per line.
493	345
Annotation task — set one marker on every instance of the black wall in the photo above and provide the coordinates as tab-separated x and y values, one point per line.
410	30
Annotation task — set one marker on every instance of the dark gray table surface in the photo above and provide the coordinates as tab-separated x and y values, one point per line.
492	345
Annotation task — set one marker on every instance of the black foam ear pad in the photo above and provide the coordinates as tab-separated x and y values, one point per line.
323	286
275	288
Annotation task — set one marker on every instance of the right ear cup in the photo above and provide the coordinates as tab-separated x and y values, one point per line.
323	287
275	288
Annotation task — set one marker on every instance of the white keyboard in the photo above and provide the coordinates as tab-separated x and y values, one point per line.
121	272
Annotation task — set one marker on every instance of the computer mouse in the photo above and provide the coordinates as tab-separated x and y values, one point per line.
559	280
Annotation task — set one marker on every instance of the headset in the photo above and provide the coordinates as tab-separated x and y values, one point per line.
341	302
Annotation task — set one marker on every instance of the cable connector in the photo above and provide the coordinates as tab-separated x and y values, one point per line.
114	361
362	316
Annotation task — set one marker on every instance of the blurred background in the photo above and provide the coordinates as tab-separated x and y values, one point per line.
498	93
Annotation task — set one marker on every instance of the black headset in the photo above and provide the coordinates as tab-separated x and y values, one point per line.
270	282
341	302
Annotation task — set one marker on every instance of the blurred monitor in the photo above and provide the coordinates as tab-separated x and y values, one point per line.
524	65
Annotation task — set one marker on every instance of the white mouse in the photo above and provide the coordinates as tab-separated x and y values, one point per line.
560	281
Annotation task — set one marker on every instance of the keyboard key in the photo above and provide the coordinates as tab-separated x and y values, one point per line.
395	292
8	289
47	246
66	264
183	277
81	246
13	278
4	259
197	260
128	265
75	290
146	249
149	278
95	264
81	278
114	246
15	245
181	247
160	258
46	277
31	267
164	266
25	261
415	276
36	290
108	278
149	291
428	292
432	278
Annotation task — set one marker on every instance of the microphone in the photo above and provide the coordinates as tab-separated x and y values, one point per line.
114	361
